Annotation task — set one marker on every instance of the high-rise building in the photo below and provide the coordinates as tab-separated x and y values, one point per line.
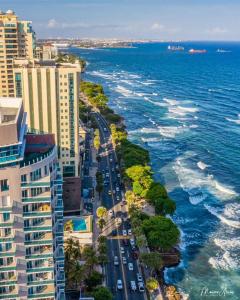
50	92
31	210
17	39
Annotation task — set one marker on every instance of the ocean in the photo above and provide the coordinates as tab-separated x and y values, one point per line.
185	109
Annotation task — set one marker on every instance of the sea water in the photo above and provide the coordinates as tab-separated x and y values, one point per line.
185	109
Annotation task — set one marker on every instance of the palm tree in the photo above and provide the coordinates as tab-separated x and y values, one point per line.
151	284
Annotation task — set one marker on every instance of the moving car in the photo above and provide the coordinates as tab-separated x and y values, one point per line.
133	285
105	129
116	261
117	188
141	287
118	198
124	232
132	242
118	175
124	260
129	231
130	266
109	193
139	277
122	250
119	284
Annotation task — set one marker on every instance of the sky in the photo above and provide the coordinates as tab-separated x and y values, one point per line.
131	19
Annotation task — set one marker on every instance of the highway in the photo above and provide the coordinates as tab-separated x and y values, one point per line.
112	200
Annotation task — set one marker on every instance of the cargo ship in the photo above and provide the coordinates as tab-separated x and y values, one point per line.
197	51
175	48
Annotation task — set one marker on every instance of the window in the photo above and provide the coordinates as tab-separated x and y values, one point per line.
6	216
24	178
4	185
5	201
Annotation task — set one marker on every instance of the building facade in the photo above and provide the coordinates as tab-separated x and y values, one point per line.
51	98
17	39
31	210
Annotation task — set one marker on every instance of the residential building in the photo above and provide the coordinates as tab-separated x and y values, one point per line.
51	98
31	210
17	39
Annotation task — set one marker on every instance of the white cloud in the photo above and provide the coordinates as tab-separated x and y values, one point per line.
52	23
217	30
157	27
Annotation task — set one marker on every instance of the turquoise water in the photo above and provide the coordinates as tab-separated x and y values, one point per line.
185	109
79	225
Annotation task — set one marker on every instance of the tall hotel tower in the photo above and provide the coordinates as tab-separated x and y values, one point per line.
17	39
31	210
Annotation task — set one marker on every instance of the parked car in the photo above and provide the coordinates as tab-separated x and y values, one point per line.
141	287
124	232
139	277
129	231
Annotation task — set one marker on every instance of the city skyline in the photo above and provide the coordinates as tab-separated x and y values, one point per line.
134	19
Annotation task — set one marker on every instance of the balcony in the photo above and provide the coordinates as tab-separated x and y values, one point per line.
46	291
43	226
42	211
44	197
36	157
46	251
42	182
45	239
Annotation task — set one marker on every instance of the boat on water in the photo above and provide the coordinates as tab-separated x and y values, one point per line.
197	51
175	48
222	51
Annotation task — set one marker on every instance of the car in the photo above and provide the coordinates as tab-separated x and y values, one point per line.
130	266
107	174
133	285
139	277
109	193
132	242
135	255
110	213
124	232
118	198
114	192
111	159
117	189
105	183
122	250
129	231
124	260
105	129
116	261
118	175
119	284
113	170
141	287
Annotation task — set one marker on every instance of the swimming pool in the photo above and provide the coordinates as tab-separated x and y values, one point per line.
79	225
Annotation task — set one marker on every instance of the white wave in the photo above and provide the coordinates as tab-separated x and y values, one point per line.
134	76
193	181
127	82
101	74
155	94
198	198
170	101
224	262
123	91
172	131
202	165
231	244
154	102
153	122
224	189
150	140
233	120
220	215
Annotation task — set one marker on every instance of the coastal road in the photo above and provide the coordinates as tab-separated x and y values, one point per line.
118	245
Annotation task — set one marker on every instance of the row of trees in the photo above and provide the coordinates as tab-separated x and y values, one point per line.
80	268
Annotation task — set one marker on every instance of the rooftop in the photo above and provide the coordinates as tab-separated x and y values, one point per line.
9	110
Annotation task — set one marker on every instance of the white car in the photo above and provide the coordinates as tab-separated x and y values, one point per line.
124	232
107	174
130	266
116	261
111	159
124	260
132	242
105	129
139	277
129	231
122	250
117	189
133	285
119	284
118	175
141	287
118	198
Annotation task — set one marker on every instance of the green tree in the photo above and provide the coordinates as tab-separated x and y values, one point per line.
153	260
151	284
102	293
96	140
93	280
161	232
101	223
101	212
68	226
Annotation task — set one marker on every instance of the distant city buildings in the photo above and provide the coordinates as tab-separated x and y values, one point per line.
31	210
17	39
